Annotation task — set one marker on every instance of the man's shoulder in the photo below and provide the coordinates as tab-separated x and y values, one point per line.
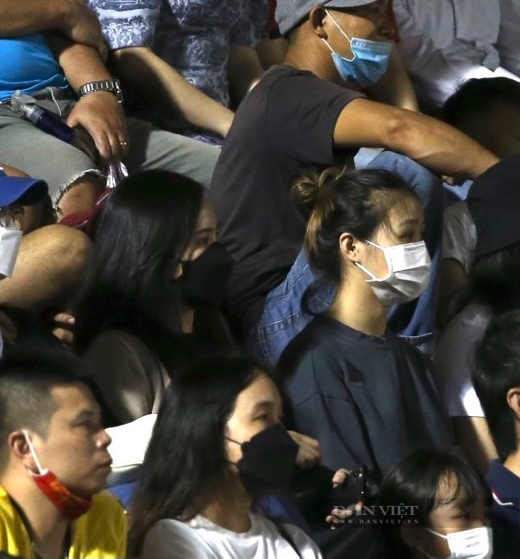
105	501
7	511
287	74
106	509
103	528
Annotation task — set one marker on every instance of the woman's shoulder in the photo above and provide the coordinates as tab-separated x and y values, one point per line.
325	345
202	539
169	539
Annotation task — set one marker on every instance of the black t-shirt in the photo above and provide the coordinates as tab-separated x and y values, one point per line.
285	124
368	400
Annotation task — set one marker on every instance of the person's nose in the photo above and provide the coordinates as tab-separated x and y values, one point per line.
103	440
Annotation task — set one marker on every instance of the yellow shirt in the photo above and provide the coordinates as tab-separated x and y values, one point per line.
101	533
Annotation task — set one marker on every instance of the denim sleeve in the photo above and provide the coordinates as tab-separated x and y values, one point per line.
251	25
127	23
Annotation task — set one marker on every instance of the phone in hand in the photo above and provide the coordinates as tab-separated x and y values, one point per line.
351	491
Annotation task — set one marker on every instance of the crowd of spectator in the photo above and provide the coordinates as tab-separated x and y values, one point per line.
259	279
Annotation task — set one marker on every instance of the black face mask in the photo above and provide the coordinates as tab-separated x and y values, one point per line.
204	279
267	462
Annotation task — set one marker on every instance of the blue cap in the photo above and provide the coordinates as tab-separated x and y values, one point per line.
21	190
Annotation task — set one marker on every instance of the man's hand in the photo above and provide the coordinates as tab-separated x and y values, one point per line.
81	25
101	115
309	450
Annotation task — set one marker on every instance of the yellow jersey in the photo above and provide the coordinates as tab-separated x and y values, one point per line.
101	533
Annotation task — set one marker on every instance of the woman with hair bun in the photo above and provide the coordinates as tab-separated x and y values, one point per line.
365	394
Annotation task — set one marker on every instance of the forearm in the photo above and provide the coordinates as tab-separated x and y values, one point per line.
30	16
428	141
440	147
395	87
80	63
147	74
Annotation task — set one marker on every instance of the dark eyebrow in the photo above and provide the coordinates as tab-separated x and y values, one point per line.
261	406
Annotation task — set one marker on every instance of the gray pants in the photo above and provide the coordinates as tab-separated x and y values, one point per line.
41	155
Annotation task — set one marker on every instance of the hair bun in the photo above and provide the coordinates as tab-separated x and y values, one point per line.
306	190
314	188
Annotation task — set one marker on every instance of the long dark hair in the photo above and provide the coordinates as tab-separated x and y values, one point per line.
414	481
144	228
343	200
186	459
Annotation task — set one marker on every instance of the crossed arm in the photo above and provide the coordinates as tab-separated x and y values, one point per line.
71	18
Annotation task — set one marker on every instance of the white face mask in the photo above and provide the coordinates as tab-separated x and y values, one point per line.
10	239
476	543
408	273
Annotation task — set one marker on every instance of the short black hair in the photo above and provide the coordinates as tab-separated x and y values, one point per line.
478	93
26	379
414	481
497	370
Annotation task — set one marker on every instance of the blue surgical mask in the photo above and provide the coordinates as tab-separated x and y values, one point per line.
369	60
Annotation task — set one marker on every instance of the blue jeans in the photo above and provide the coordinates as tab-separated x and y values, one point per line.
283	317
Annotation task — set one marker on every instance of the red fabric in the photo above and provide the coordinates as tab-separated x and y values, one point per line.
86	220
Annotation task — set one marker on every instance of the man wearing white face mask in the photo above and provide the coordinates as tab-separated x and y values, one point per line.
308	112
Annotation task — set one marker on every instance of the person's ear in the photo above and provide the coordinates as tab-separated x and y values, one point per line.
513	400
350	247
316	18
19	448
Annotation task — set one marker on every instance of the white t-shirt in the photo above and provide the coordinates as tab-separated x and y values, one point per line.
453	360
459	235
200	538
446	42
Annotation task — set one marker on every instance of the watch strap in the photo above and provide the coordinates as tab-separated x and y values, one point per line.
112	86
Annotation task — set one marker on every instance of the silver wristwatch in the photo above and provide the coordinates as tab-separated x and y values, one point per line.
112	86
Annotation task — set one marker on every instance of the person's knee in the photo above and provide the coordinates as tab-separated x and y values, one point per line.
70	250
80	196
72	246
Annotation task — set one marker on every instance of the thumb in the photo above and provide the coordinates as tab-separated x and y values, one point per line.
72	120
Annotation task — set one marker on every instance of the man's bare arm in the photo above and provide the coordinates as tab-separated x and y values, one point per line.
154	79
428	141
72	18
99	113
